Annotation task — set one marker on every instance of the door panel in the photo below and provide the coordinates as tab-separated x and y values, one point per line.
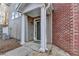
38	30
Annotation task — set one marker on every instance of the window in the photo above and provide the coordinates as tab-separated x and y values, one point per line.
13	15
16	15
0	18
19	14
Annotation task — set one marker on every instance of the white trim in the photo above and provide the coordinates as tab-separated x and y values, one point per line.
34	31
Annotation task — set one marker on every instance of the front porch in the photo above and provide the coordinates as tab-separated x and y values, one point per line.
36	24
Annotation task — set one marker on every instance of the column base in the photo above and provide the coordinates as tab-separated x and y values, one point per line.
46	49
43	50
22	43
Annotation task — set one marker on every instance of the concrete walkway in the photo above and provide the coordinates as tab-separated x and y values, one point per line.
31	49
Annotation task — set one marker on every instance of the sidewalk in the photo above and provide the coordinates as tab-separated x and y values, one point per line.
31	49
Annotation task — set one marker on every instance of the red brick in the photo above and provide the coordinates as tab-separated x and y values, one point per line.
63	27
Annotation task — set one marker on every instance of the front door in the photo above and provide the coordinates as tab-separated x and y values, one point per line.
37	29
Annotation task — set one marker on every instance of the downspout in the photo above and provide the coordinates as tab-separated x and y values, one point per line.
49	6
50	11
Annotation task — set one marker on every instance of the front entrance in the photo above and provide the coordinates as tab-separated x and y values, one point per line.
37	29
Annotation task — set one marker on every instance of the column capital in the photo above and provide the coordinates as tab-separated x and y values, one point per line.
43	5
22	13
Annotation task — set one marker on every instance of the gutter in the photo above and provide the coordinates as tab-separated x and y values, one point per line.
18	7
48	6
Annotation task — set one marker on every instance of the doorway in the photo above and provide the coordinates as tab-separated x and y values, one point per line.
37	29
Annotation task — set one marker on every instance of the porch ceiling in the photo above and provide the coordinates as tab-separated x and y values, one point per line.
36	12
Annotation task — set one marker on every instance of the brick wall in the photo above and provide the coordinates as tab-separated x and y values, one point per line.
75	29
65	23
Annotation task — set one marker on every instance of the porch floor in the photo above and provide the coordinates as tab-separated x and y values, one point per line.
31	49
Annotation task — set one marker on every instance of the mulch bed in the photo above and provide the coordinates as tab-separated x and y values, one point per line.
7	45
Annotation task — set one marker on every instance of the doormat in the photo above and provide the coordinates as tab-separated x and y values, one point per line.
38	42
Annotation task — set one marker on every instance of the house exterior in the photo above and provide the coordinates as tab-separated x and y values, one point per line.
46	23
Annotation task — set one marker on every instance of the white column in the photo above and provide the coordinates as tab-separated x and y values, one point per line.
23	30
43	30
26	20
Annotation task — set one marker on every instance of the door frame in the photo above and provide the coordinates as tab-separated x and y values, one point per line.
35	28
